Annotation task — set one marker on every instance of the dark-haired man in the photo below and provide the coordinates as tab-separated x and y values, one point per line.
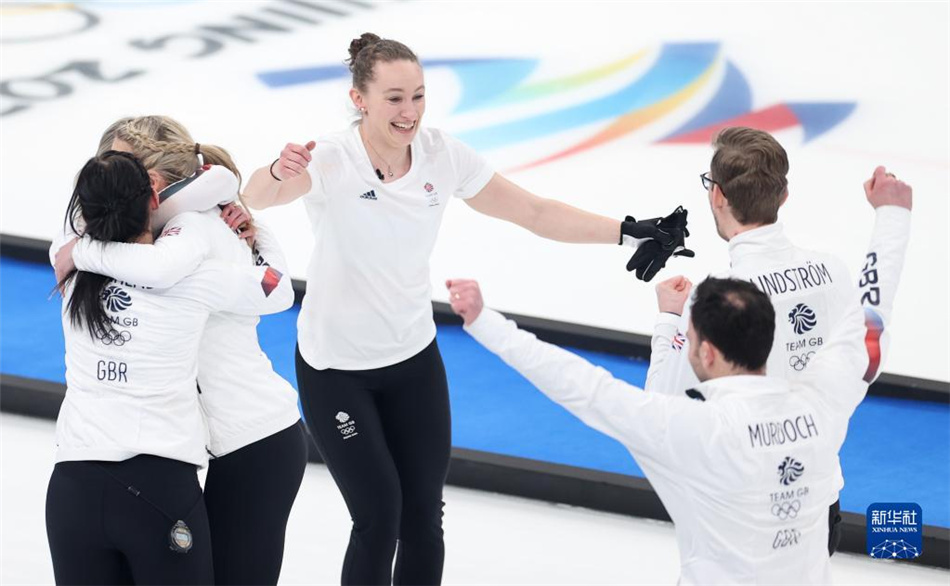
810	290
744	463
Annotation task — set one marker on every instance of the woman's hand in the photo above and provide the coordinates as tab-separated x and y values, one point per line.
293	160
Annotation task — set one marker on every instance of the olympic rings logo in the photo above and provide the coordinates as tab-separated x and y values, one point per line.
800	362
786	510
114	337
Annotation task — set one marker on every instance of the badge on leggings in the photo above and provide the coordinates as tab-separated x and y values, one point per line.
180	538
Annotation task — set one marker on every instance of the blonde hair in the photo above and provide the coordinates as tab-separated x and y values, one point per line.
165	146
108	137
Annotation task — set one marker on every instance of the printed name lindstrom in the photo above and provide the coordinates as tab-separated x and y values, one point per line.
793	279
771	433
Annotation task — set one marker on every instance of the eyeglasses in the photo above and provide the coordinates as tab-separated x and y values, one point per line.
708	181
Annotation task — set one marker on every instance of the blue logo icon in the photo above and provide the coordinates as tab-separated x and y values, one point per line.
116	299
802	318
790	470
895	531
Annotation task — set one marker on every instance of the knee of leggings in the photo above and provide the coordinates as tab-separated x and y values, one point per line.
381	525
421	522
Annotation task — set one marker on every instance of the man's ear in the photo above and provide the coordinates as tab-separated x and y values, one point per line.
719	200
784	198
707	354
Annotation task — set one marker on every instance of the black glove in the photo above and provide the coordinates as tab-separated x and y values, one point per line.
630	228
668	239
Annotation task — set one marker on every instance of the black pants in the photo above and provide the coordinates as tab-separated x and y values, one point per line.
101	533
385	435
834	527
249	494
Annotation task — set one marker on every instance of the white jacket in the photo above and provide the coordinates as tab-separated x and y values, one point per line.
242	398
810	292
746	473
131	390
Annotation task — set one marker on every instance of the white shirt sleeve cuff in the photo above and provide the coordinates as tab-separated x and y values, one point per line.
488	327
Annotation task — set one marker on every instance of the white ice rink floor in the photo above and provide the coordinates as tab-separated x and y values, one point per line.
490	538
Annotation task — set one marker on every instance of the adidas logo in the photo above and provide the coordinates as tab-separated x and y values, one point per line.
369	195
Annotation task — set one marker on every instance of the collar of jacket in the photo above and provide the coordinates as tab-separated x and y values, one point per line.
741	384
764	240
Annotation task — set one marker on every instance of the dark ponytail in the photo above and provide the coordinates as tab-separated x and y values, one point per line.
112	199
367	50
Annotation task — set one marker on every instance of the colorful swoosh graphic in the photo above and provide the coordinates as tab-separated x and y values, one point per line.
663	81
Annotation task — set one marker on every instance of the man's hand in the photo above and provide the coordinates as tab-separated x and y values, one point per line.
293	160
884	189
668	239
671	294
466	299
63	264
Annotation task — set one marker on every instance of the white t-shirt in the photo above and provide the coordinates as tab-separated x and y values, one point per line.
369	297
131	390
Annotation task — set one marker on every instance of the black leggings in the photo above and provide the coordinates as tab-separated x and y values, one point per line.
834	527
249	494
385	435
101	533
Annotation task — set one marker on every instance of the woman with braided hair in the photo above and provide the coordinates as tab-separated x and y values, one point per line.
124	505
256	442
372	383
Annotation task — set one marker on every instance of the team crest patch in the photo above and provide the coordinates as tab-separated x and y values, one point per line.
432	196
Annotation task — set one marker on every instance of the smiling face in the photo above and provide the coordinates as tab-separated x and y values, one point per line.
392	104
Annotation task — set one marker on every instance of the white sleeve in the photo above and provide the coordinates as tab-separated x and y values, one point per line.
202	191
176	254
880	277
611	406
241	289
844	367
60	239
471	169
267	251
670	372
325	167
